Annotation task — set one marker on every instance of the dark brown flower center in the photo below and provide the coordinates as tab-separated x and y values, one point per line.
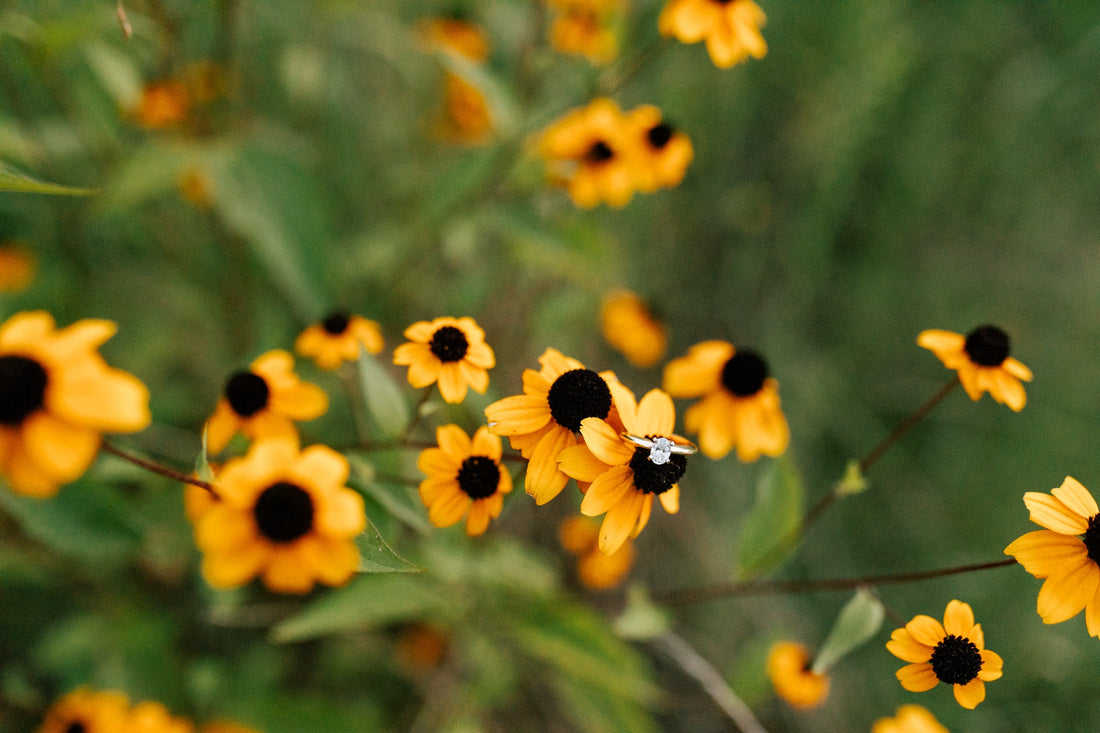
956	660
22	388
449	344
600	152
987	346
656	478
1092	538
479	477
659	135
76	726
284	512
247	393
335	323
744	374
577	394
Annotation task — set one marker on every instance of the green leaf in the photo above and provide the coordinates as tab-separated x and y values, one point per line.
595	711
202	462
853	481
771	525
13	180
857	622
378	557
386	404
641	619
366	602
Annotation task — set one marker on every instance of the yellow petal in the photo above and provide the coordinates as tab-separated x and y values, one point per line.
958	619
518	415
341	514
1043	552
620	521
609	489
643	515
451	384
605	443
288	571
670	499
903	646
477	520
1048	511
970	694
544	478
232	569
917	677
579	463
100	397
486	444
319	465
61	449
453	441
656	414
25	329
925	630
449	508
1076	497
992	664
303	401
1064	594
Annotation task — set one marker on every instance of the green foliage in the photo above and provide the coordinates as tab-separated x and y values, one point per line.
768	532
12	180
856	624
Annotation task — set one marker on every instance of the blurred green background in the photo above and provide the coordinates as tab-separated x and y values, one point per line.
888	167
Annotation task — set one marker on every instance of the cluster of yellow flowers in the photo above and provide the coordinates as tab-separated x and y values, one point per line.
91	711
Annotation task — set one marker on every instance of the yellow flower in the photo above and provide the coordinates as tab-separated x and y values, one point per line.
595	570
546	418
731	28
465	478
630	328
87	711
221	726
590	148
1065	553
625	475
263	402
665	151
17	266
456	36
57	396
451	351
152	717
163	104
982	362
581	31
910	719
468	118
789	671
953	653
338	338
740	405
282	514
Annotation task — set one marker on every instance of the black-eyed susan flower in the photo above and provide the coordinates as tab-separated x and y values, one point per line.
627	469
591	151
284	515
580	536
665	151
450	351
465	478
339	337
152	717
731	28
740	405
546	418
17	266
467	117
909	719
585	28
982	362
454	35
163	104
952	652
790	674
1066	553
630	328
57	397
264	402
87	711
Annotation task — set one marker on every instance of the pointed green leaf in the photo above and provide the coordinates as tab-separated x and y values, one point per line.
13	180
853	481
366	602
385	399
857	622
641	619
376	556
771	525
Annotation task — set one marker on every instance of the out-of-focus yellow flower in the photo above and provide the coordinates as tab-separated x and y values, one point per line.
595	570
152	717
731	28
631	329
982	362
196	188
465	478
87	711
591	150
163	104
338	338
456	36
284	515
665	151
910	719
582	31
467	117
57	397
17	266
789	671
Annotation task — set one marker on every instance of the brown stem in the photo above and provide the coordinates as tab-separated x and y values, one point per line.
159	469
767	587
904	426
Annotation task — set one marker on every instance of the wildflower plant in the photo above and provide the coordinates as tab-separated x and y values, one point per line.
293	294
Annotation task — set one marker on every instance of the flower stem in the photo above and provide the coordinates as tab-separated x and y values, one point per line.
905	425
158	468
775	587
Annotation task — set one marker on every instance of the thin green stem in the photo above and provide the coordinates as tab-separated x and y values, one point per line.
778	587
415	419
905	425
159	469
617	76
